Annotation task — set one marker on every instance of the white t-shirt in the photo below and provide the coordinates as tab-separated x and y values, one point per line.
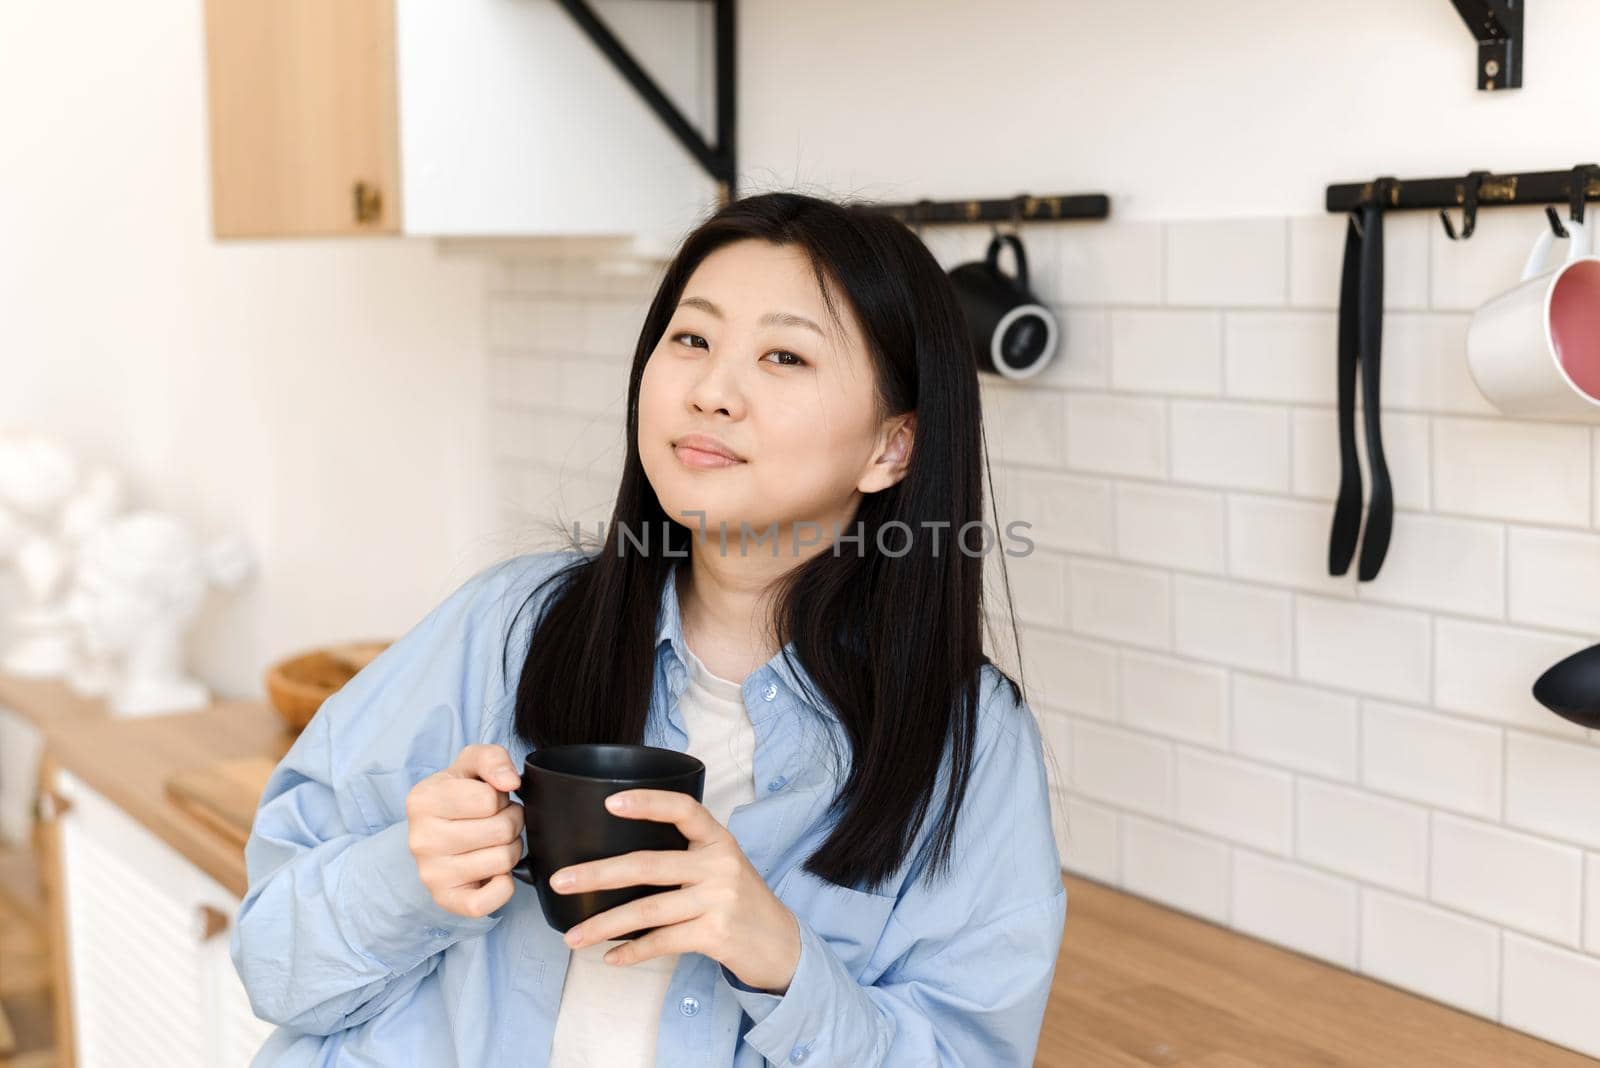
610	1013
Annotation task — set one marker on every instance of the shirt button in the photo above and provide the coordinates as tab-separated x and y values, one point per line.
798	1056
689	1005
777	784
770	692
438	932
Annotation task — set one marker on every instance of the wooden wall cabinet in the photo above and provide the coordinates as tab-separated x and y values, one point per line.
473	118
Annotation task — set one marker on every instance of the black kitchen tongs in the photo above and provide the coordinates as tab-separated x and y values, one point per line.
1361	342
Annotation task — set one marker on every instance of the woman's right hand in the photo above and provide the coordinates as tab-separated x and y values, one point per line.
465	832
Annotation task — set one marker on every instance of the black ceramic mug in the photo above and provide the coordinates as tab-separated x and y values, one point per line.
563	795
1013	335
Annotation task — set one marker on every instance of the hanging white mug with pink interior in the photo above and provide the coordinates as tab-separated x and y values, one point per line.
1534	350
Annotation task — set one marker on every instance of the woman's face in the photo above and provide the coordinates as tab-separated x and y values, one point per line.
752	360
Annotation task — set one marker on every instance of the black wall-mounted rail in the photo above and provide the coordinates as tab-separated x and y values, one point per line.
1497	27
1537	187
1022	208
720	161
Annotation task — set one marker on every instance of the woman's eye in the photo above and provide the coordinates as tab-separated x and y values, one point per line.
793	360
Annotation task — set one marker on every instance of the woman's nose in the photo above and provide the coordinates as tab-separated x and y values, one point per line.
715	389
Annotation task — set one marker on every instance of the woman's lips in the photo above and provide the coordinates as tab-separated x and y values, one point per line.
701	458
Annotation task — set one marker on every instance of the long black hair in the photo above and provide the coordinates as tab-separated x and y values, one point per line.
894	643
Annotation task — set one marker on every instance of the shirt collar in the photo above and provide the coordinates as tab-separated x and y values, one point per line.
669	631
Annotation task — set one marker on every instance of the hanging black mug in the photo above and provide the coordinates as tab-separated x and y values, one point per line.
563	794
1013	334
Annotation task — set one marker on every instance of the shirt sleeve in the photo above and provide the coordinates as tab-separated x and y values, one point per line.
972	958
336	923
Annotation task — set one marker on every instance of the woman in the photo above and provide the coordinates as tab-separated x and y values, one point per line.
790	589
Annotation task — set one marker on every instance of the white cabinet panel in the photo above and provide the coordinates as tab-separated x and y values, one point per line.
512	122
148	988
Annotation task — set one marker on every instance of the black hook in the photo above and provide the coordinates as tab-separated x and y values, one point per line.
1015	220
1555	221
1469	212
1579	184
918	212
1580	188
1381	188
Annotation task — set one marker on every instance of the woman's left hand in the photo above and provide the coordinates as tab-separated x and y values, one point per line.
723	909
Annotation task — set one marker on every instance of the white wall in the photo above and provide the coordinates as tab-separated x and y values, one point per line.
321	398
1175	109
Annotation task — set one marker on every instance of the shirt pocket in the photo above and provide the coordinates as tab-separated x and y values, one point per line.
851	921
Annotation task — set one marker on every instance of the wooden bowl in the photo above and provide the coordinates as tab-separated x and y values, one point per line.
298	686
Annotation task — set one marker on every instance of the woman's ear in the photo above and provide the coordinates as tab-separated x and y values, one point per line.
893	455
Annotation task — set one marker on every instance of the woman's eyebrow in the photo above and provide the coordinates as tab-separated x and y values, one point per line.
771	318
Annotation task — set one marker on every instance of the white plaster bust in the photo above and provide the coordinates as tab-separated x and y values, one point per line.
140	580
36	476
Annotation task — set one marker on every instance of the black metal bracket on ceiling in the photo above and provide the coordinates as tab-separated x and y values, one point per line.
1016	209
1497	27
720	161
1477	189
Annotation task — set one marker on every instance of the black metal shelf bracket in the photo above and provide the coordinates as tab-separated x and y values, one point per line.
1497	27
1017	209
720	161
1479	189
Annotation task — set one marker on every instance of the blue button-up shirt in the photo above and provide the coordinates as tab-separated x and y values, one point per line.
339	943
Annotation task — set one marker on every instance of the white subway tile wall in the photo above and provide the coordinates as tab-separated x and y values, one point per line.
1296	906
1179	868
1405	450
1436	952
1141	344
1550	992
1356	771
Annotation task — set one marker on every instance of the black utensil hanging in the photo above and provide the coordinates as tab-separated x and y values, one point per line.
1380	507
1347	511
1361	347
1571	689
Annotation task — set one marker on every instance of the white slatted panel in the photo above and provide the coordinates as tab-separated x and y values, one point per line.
146	989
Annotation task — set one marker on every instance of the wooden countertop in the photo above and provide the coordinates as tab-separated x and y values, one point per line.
128	760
